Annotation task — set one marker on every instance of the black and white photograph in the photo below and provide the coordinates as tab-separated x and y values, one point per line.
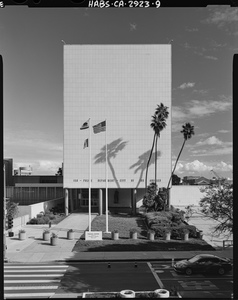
117	149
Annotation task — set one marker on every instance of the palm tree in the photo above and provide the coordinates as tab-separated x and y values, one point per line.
158	123
188	131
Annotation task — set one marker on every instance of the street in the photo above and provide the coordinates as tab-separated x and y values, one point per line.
196	285
48	279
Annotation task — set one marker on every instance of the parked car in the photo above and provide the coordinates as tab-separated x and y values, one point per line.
203	263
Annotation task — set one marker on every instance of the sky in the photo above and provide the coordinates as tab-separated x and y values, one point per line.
204	41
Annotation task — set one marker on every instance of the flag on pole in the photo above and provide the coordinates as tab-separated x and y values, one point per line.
85	125
85	145
99	127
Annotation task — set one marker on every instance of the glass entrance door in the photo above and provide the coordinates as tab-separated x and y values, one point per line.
94	198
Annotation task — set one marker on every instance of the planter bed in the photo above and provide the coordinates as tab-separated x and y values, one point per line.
124	225
141	245
142	294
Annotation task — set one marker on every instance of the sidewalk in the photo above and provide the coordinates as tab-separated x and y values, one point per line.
35	250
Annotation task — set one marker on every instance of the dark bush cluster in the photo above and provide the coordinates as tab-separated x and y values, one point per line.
163	218
161	221
33	221
58	209
169	220
192	231
177	232
159	230
48	216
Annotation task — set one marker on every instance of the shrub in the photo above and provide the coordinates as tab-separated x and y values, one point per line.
177	217
41	221
168	230
173	209
44	220
174	290
151	231
33	221
146	295
133	230
48	217
175	224
159	230
160	221
22	231
192	231
12	208
163	218
177	232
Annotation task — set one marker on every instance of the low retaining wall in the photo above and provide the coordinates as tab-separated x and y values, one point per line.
20	221
25	213
43	206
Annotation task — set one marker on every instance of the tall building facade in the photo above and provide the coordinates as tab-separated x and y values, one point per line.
8	163
121	85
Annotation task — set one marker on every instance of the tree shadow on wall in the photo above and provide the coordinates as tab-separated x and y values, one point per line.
112	151
141	164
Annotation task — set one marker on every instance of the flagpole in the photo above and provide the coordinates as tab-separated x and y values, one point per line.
106	182
90	175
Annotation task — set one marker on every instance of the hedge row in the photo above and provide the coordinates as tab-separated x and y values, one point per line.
44	218
177	232
164	218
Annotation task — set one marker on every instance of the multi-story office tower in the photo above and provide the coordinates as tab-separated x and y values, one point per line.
122	85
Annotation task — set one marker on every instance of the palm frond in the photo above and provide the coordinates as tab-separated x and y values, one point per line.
158	122
188	131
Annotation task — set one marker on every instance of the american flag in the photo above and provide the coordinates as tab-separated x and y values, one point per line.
85	125
85	145
99	127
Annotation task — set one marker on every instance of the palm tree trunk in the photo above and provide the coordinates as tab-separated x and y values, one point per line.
176	163
156	141
149	162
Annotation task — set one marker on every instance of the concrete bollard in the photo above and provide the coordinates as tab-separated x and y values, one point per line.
172	262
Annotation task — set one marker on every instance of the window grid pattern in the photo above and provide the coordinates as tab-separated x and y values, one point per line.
122	84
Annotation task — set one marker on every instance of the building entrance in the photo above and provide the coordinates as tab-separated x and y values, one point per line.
85	196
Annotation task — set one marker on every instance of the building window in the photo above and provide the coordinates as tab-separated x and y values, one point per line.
116	196
59	192
51	193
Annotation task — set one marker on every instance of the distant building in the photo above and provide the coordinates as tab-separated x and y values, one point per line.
8	163
195	180
189	180
27	190
34	189
202	181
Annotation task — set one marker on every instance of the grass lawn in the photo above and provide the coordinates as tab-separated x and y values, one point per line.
123	223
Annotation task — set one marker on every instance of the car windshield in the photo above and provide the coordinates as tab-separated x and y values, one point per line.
194	258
